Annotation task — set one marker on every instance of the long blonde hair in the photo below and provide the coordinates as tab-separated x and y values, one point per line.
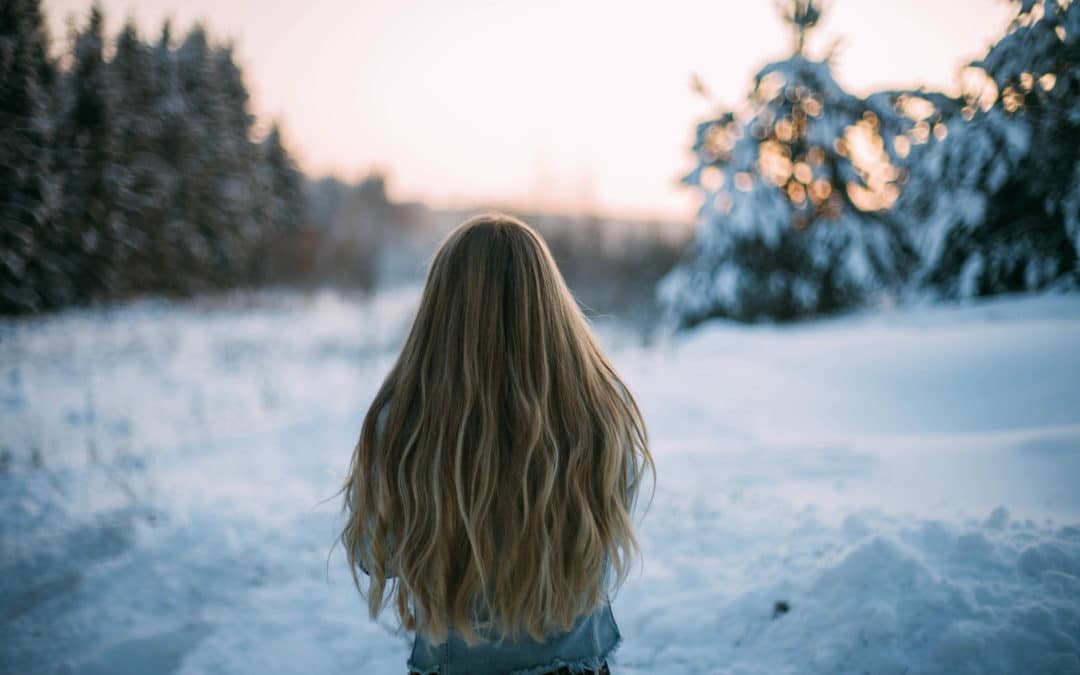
499	463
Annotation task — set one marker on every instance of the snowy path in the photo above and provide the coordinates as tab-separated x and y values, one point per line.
163	472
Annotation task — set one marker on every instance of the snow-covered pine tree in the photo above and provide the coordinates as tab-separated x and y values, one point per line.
159	185
144	190
795	218
238	163
86	160
198	165
997	206
26	181
178	252
278	252
27	185
218	204
284	183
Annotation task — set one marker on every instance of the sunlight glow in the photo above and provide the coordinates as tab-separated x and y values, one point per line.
534	104
774	163
712	178
868	155
915	107
1011	99
744	182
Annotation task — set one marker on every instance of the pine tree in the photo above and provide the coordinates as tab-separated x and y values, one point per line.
283	208
237	164
159	185
795	219
285	182
27	186
998	206
142	187
86	161
176	245
197	197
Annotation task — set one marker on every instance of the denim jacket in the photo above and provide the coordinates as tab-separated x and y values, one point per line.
588	643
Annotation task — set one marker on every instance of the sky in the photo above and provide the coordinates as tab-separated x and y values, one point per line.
567	105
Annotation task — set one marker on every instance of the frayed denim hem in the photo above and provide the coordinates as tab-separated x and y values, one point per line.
589	663
584	665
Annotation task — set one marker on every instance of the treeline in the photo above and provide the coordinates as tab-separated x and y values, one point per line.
130	166
612	265
818	200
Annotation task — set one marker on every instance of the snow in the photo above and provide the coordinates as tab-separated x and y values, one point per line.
903	480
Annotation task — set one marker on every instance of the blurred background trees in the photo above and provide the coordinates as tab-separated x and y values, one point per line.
817	200
797	199
28	189
134	169
997	205
133	165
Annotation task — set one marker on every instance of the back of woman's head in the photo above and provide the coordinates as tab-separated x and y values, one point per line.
500	460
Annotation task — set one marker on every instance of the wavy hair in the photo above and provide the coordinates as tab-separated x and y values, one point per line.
499	463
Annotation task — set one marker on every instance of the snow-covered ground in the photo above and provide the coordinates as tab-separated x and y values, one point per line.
907	482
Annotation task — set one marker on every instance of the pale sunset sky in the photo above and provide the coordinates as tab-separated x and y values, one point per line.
563	104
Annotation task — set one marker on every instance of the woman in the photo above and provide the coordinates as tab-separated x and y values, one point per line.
490	494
